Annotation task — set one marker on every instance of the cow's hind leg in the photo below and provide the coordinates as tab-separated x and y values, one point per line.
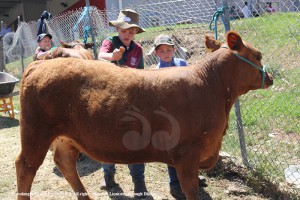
65	157
27	163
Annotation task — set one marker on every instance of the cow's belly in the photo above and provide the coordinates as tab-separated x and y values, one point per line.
209	162
113	150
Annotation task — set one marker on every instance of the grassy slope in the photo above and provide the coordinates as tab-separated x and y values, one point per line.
271	117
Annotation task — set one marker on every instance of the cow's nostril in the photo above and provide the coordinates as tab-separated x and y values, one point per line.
271	78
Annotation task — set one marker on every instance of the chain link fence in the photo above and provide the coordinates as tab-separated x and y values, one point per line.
267	135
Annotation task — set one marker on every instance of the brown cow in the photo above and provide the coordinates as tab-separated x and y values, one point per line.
121	115
74	49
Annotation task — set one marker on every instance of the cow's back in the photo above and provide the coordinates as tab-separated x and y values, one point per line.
53	85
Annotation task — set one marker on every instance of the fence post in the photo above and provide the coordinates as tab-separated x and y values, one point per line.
226	18
87	2
2	57
239	124
226	22
22	50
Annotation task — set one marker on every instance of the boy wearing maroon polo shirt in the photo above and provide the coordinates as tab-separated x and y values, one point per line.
122	50
127	27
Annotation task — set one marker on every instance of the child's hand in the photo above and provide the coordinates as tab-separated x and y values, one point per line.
122	49
117	54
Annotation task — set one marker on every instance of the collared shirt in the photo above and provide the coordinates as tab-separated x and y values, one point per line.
132	57
175	62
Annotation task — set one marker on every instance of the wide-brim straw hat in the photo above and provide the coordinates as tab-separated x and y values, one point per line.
127	19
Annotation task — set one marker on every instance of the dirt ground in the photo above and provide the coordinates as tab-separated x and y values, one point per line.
225	183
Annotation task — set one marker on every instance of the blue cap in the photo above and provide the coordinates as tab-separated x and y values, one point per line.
42	35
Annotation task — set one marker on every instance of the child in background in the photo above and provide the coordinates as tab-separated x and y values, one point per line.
269	8
45	43
246	11
122	50
164	49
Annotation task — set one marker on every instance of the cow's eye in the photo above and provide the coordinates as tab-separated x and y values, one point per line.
259	58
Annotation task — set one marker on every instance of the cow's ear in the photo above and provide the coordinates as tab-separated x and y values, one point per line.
234	41
211	44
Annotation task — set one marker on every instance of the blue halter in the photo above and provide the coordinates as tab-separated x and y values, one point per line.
262	69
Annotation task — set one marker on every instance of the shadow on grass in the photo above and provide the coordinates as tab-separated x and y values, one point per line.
228	169
269	189
85	166
6	122
203	195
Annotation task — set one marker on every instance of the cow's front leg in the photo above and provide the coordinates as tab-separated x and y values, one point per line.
187	173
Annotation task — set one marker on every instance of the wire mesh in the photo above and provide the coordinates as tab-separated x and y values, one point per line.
270	118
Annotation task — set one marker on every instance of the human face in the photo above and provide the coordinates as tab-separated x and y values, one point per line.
45	43
127	35
165	52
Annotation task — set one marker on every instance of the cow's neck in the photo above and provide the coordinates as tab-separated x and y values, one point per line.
219	72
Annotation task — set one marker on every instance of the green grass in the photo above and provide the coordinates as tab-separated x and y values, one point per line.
277	36
271	117
15	68
271	126
283	26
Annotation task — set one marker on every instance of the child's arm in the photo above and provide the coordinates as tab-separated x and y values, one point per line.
113	56
41	55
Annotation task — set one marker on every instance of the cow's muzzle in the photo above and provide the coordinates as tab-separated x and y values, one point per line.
268	80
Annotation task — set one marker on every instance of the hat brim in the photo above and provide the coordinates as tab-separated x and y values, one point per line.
154	48
125	25
49	35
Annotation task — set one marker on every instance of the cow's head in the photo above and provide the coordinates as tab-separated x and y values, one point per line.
88	45
76	44
65	45
251	72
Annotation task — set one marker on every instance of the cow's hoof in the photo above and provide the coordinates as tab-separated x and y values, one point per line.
176	192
